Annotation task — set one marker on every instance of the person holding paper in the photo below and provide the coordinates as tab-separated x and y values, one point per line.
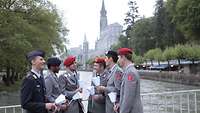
33	89
96	102
53	89
114	80
130	100
70	86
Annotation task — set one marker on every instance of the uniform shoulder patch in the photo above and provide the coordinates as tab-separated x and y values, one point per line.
31	76
130	77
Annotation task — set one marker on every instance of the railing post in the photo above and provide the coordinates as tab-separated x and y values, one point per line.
165	104
5	110
195	102
180	103
13	110
173	107
188	101
158	106
150	104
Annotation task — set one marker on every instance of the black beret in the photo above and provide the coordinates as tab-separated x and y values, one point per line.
31	55
53	61
111	54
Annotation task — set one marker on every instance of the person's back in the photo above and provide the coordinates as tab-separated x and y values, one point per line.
130	101
130	91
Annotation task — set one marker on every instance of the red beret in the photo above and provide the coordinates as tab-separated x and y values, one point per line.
69	60
124	51
99	60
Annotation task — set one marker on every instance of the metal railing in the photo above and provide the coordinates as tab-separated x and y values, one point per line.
187	101
11	109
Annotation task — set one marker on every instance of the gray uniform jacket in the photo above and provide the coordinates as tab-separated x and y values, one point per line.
113	85
130	101
69	83
52	86
98	106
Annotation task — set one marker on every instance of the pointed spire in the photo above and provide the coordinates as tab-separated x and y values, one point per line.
103	17
85	38
103	9
103	6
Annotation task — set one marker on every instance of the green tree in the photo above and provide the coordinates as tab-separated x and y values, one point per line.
26	25
187	18
131	17
158	55
193	52
142	36
169	54
180	52
137	59
149	55
154	54
159	23
173	35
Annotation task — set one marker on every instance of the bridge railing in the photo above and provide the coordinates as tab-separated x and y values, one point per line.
187	101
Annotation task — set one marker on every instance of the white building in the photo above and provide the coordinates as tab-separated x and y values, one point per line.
109	34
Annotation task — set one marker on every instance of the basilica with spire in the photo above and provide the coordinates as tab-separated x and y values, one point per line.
109	35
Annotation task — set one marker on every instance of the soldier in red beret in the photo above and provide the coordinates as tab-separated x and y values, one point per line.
70	86
97	101
130	101
114	80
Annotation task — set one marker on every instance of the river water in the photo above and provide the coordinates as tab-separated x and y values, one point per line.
147	86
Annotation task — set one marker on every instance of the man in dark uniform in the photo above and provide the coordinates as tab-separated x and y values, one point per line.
114	80
53	89
33	87
130	101
70	86
96	102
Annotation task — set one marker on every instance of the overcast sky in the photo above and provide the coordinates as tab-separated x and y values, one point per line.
82	16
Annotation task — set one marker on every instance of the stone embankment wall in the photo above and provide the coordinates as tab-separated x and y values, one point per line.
189	75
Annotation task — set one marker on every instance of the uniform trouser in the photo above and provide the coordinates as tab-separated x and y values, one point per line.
75	107
95	107
109	106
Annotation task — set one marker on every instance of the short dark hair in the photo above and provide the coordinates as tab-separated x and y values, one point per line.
53	61
113	55
115	59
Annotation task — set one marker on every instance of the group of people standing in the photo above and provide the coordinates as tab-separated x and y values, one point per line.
116	72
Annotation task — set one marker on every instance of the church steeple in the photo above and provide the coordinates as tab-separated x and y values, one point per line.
103	18
85	51
85	38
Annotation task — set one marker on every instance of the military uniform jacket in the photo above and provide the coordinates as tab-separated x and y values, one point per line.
69	83
53	89
113	85
33	94
130	101
98	106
